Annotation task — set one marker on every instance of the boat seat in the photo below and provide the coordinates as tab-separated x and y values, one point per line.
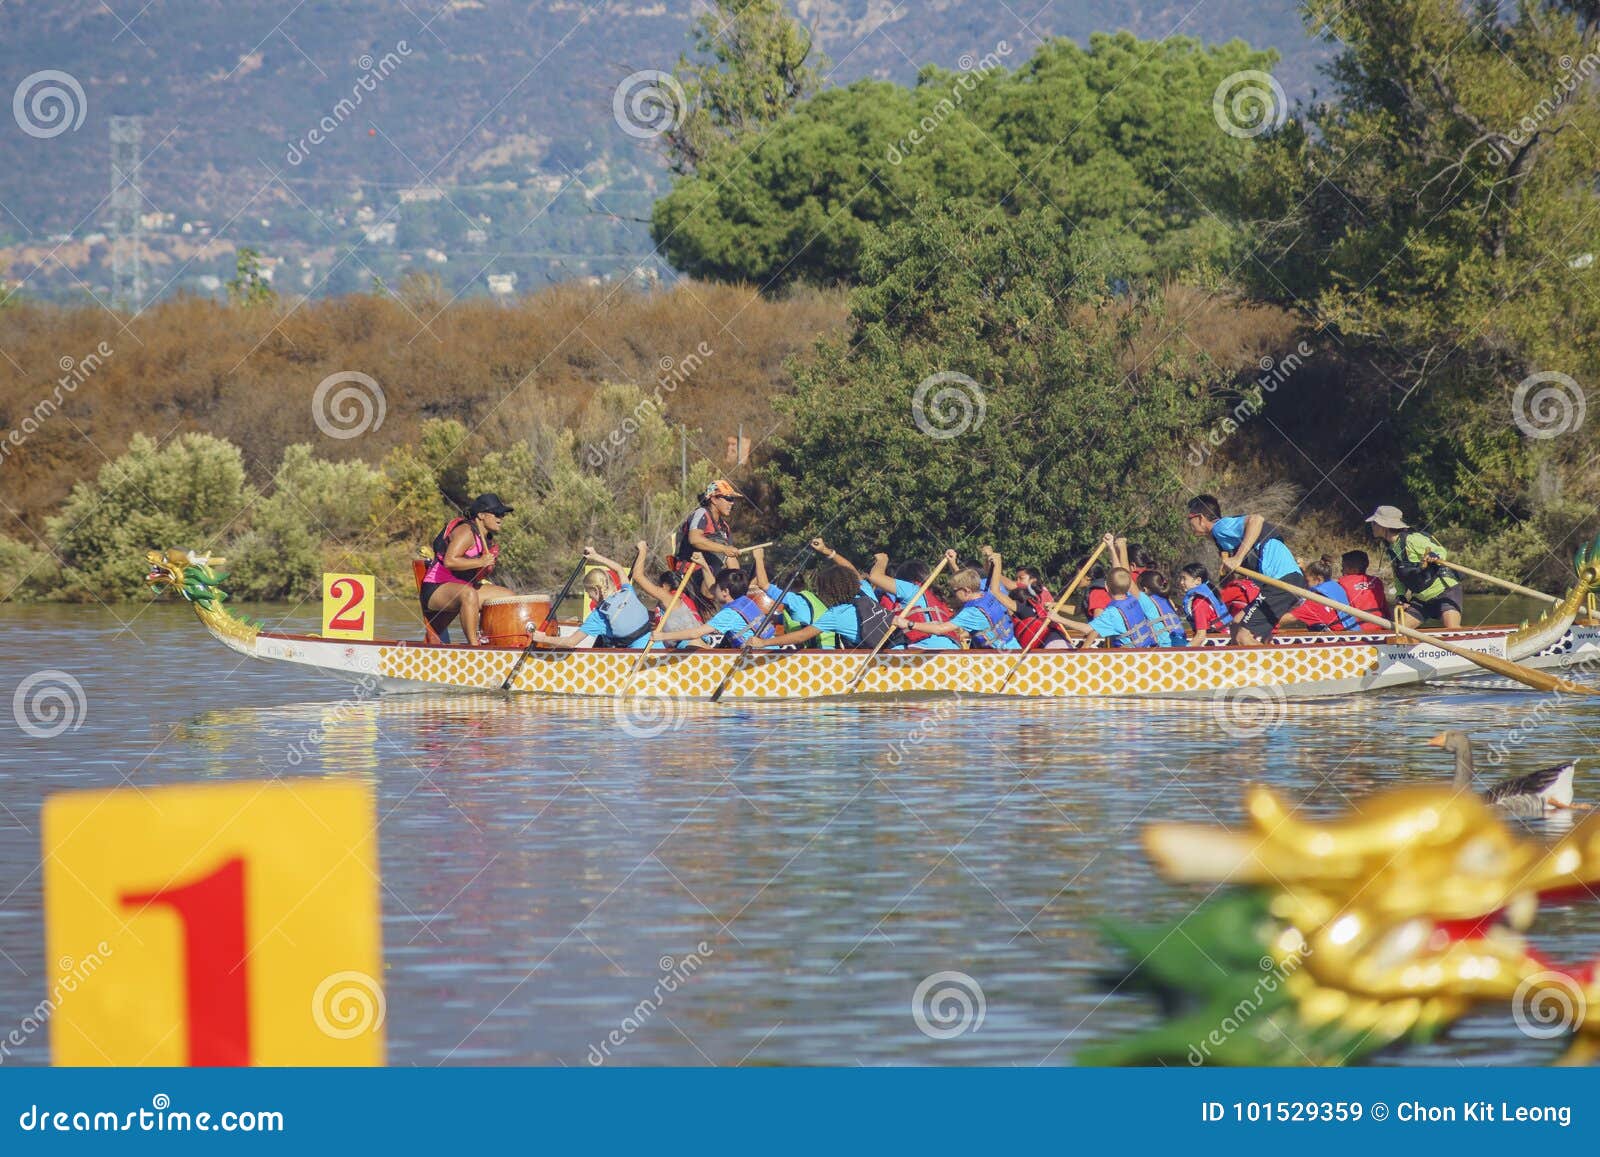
434	634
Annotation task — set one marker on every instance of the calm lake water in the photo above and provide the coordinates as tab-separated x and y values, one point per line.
541	867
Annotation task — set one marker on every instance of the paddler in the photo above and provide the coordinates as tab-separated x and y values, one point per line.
853	618
1208	615
686	610
1430	591
709	530
1362	591
464	554
740	608
1249	540
1131	619
986	609
619	619
900	590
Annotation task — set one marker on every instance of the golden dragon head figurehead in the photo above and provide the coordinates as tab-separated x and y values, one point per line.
1399	915
170	568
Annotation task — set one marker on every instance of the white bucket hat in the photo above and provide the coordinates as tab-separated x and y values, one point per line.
1389	517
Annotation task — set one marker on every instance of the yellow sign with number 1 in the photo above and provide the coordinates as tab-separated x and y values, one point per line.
347	606
229	924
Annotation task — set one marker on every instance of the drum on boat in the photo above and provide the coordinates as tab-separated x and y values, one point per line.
510	622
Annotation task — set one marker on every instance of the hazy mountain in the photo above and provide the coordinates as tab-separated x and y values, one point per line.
295	127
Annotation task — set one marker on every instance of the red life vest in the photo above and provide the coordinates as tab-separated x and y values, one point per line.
1366	593
716	529
933	609
1033	624
1239	593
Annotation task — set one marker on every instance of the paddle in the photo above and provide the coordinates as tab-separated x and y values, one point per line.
1538	680
671	603
744	648
1514	588
887	635
1059	600
549	618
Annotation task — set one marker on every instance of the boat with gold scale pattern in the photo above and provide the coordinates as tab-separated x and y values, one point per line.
1301	666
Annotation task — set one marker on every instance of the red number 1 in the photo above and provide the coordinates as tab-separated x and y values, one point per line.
216	983
357	593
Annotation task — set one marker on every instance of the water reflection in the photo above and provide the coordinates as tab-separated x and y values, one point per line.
540	860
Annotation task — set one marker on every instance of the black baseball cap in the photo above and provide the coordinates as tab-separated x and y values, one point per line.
488	504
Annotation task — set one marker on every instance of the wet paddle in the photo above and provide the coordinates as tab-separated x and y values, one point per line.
776	607
866	663
544	626
651	641
1538	680
1059	600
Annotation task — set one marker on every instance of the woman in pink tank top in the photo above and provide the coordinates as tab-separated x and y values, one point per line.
457	581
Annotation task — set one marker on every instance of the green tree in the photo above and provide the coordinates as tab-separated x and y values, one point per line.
987	391
1144	169
752	65
248	286
1437	219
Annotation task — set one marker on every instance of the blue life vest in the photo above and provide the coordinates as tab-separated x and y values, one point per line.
1143	621
999	632
750	611
1204	591
1333	590
1171	620
625	617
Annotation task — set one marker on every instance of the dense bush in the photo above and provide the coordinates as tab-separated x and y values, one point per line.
317	515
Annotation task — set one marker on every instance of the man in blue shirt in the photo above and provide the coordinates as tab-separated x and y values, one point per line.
1248	540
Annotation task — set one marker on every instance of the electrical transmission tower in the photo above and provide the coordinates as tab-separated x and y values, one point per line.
127	269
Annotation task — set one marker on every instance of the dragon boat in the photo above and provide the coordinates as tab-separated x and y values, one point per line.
1292	666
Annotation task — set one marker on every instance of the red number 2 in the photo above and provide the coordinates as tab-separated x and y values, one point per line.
354	622
216	974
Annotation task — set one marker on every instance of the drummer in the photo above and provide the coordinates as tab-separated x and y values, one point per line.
464	554
709	530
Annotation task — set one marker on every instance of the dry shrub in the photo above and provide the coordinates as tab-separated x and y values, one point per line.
248	374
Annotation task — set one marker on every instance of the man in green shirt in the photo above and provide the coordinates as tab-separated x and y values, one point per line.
1427	589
